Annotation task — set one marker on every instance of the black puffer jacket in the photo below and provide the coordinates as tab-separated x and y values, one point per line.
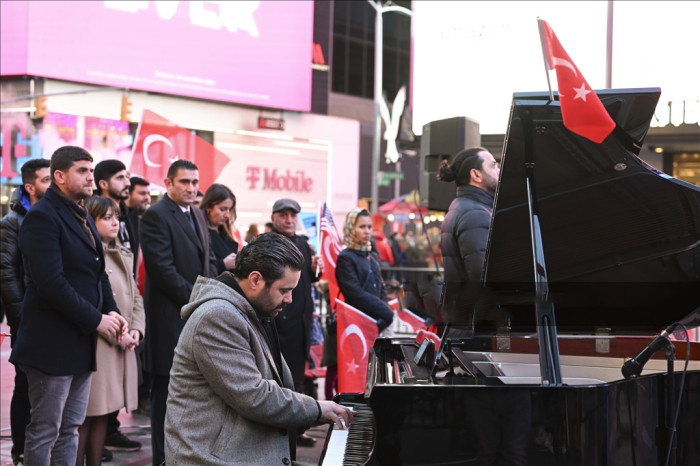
360	281
465	232
11	268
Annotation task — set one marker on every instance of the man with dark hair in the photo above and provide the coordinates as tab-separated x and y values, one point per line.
112	181
231	392
139	195
175	246
466	227
67	303
36	179
294	322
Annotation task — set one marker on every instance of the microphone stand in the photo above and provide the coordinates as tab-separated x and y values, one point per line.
670	400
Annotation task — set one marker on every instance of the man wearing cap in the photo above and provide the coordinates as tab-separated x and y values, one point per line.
294	321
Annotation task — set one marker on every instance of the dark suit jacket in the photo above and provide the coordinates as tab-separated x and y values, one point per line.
67	291
294	321
174	255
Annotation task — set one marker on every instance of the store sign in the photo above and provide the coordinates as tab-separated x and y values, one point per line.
273	179
242	52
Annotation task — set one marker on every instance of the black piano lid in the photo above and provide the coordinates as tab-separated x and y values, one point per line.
621	240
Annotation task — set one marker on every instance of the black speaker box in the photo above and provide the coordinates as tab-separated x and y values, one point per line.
441	140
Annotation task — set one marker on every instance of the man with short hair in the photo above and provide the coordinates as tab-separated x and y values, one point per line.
68	302
294	322
139	195
175	245
231	397
112	181
36	179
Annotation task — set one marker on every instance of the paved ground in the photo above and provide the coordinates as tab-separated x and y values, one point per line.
134	425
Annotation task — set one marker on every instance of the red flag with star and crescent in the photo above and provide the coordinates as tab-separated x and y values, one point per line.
581	109
159	142
330	248
356	334
406	317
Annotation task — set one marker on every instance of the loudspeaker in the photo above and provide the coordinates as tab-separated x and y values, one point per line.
441	140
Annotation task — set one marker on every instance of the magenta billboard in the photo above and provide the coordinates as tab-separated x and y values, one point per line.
250	52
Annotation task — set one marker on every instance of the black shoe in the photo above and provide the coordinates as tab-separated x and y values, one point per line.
17	459
120	442
107	455
304	440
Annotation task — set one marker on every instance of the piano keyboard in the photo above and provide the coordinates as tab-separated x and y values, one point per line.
352	446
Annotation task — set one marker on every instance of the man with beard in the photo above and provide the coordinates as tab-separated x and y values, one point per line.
36	179
112	181
68	301
465	230
231	398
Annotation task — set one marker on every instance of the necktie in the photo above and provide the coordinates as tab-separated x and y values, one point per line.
189	217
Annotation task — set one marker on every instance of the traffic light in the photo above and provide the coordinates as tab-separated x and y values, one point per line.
125	114
40	107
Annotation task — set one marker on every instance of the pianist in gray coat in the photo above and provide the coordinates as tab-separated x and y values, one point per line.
231	397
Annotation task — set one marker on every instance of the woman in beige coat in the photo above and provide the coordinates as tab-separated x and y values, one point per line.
115	384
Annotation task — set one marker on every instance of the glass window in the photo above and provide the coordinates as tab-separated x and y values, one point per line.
339	65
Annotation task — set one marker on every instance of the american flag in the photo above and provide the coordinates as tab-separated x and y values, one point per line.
330	248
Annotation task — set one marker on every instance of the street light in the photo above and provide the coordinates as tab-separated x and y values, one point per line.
379	9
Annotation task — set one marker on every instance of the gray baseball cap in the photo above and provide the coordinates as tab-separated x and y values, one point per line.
284	204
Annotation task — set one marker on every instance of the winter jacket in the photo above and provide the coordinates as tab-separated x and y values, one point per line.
360	281
465	232
228	403
11	267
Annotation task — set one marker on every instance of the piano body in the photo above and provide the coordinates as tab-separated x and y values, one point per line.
622	249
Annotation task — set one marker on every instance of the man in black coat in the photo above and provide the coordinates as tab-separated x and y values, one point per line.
36	178
175	247
294	322
465	230
68	302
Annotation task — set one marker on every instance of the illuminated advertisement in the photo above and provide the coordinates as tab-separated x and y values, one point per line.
254	52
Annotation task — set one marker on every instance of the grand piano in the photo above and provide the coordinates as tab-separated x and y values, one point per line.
591	254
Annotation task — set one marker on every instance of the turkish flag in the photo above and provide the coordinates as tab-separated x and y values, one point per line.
406	317
160	142
356	334
581	109
330	248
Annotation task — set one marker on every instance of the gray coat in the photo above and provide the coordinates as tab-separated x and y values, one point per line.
227	403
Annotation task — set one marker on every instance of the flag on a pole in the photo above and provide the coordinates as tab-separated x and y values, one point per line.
407	317
356	334
581	109
159	142
330	248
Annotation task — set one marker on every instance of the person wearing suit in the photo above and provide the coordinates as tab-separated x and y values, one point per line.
232	398
68	302
175	246
294	322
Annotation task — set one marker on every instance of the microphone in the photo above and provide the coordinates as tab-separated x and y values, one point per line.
634	366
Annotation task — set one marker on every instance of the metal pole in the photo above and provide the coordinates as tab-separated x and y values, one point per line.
379	10
378	64
609	50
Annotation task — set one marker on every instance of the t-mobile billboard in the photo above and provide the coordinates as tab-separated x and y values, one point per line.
254	52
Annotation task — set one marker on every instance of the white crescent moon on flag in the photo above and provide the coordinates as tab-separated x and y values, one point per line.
354	329
327	250
150	139
556	61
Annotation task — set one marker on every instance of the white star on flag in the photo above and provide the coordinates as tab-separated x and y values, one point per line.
581	92
352	366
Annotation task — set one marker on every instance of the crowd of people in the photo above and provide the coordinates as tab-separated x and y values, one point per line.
115	304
